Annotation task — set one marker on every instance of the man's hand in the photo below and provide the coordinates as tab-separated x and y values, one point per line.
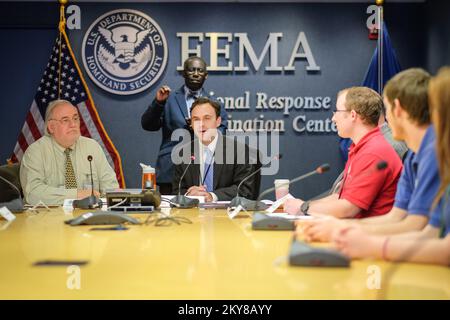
86	193
206	194
355	243
321	229
292	206
195	189
199	191
162	94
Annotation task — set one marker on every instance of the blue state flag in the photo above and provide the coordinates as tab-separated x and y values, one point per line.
391	67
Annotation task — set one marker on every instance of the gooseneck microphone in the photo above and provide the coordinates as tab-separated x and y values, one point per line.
382	165
91	201
184	173
379	166
319	170
181	201
92	177
14	205
245	203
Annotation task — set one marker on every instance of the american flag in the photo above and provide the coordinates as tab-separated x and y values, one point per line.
63	73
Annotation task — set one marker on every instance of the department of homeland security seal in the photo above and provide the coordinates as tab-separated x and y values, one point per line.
124	51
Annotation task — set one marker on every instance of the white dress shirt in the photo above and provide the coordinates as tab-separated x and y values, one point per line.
203	155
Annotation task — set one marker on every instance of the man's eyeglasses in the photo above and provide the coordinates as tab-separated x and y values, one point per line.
66	120
334	111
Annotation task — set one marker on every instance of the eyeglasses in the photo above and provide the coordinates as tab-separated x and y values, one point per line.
65	121
334	111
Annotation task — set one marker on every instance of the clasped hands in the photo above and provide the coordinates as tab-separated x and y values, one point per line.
199	191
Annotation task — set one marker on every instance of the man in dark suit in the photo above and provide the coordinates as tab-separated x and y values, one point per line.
220	163
171	111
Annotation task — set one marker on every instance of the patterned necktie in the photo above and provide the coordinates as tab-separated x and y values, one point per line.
69	175
209	171
191	94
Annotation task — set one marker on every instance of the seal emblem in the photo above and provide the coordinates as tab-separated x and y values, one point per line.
124	51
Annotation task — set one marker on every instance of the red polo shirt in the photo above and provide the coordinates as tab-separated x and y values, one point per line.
372	190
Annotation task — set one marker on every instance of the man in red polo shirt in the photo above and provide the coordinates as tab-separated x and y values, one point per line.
365	191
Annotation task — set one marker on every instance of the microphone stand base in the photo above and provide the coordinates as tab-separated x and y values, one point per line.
302	254
90	202
183	202
248	205
262	221
15	205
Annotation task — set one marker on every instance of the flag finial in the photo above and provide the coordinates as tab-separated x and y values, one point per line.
62	17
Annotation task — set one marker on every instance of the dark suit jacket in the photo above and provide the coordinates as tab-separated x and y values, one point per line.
170	116
227	176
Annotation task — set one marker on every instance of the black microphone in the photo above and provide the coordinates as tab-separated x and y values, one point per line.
92	177
380	166
91	201
245	203
319	170
181	201
14	205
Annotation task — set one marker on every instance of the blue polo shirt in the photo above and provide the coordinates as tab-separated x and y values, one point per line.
440	217
419	180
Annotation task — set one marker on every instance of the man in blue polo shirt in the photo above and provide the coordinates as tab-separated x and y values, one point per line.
440	217
406	100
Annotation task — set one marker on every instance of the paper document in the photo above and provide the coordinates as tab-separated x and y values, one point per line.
279	202
288	216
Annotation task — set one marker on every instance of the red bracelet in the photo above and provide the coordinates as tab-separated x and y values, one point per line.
383	251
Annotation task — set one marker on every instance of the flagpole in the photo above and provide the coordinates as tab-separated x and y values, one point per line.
62	27
379	3
93	110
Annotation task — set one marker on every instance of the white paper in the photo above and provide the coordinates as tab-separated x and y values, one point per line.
279	202
68	204
288	216
8	215
233	212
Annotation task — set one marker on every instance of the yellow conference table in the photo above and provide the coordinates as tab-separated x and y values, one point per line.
212	258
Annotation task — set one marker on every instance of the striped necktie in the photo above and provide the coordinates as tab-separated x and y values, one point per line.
69	174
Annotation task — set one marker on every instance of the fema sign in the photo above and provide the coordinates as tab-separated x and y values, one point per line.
124	51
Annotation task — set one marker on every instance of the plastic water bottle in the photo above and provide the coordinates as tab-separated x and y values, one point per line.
148	177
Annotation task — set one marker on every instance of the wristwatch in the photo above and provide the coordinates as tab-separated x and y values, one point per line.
304	208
